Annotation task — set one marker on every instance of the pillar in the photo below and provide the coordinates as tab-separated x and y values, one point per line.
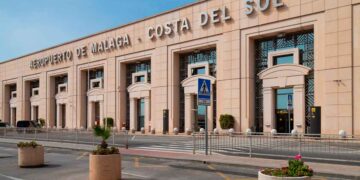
189	113
58	115
269	109
101	111
147	114
90	118
210	116
32	109
12	123
299	108
133	114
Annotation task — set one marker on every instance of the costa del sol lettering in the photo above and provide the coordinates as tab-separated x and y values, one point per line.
182	25
52	59
262	5
168	28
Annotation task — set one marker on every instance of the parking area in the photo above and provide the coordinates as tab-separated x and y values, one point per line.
69	164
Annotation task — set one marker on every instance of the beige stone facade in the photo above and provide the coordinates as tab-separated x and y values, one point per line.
97	81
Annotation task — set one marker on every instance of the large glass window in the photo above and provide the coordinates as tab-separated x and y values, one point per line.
305	42
96	73
193	58
60	80
130	69
287	59
199	70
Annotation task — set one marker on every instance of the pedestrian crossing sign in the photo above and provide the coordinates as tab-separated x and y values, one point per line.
204	92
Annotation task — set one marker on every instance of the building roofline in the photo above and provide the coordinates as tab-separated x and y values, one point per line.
105	31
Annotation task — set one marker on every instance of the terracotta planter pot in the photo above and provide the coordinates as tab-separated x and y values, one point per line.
31	157
262	176
105	167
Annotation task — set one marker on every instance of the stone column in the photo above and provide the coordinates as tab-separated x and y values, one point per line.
58	115
90	118
101	111
133	114
147	114
189	113
210	115
299	108
269	109
32	112
12	123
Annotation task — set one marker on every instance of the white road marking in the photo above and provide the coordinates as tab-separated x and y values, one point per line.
10	177
133	138
136	175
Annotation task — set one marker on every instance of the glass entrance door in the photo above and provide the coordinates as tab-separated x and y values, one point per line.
141	114
284	116
97	113
199	115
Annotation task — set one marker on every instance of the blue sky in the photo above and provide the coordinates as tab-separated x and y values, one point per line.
31	25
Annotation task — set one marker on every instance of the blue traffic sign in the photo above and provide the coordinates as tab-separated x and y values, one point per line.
204	92
290	101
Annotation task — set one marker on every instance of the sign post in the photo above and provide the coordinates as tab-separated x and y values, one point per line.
290	106
204	98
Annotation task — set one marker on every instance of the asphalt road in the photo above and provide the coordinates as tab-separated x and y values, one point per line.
341	152
64	164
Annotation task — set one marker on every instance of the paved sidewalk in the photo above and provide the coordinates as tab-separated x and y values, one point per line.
319	168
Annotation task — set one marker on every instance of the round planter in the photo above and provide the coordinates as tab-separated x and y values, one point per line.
262	176
31	157
105	167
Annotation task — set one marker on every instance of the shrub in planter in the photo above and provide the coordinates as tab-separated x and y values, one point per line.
109	121
227	121
30	154
105	162
296	170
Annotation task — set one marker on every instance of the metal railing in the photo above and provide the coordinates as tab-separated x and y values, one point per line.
117	138
311	146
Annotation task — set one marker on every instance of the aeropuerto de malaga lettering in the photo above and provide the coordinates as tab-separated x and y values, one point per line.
214	16
95	47
52	59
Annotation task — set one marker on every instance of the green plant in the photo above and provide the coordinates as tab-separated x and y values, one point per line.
104	133
109	121
102	149
32	144
41	121
227	121
296	168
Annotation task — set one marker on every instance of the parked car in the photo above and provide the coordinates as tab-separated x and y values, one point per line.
26	125
3	124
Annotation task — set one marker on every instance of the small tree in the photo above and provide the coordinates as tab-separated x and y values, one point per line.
109	121
41	121
104	133
227	121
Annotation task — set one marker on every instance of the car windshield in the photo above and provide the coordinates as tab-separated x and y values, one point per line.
23	124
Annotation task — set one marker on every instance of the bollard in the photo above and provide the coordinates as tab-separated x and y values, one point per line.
193	143
299	145
35	134
250	150
113	137
127	139
210	144
76	136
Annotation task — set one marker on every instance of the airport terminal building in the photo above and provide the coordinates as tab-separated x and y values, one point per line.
272	64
